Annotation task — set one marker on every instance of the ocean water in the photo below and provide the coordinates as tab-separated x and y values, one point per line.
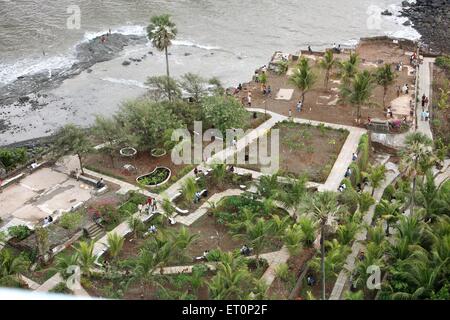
248	29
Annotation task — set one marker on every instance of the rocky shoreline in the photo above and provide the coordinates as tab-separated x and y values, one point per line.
431	18
87	54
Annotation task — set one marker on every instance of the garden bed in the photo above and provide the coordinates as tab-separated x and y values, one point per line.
158	177
307	150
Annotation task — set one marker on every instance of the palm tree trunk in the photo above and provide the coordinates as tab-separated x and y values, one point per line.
303	99
322	257
412	196
358	116
384	96
81	163
168	74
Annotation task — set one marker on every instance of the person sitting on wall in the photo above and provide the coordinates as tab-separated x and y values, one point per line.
100	184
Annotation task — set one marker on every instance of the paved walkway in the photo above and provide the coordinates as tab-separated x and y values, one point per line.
214	199
274	259
342	280
345	156
425	76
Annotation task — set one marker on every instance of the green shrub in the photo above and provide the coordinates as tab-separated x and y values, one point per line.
282	271
61	288
19	232
71	220
12	157
443	62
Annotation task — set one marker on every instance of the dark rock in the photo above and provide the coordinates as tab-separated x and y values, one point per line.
126	63
407	23
387	13
187	54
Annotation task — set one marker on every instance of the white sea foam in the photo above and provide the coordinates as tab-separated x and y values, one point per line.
29	66
188	43
137	30
126	82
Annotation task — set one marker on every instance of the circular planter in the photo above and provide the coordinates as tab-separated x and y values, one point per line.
156	178
128	152
158	152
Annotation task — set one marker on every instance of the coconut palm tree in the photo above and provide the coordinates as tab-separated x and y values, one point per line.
115	244
389	211
348	69
257	234
327	64
292	239
429	196
417	158
268	186
308	230
292	195
303	78
358	93
161	31
86	258
136	225
182	240
63	263
188	189
376	175
373	256
229	280
385	77
12	265
324	209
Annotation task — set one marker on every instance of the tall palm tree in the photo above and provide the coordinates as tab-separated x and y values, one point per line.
303	78
417	157
292	195
358	93
385	77
161	31
348	69
325	209
327	64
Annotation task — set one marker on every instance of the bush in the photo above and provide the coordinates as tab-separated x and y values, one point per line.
19	232
443	62
61	288
282	271
71	220
12	157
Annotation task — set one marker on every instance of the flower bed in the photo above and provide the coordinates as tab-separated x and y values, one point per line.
158	152
128	152
156	178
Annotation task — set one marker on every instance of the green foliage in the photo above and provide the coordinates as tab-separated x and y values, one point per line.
148	124
61	288
194	85
72	139
19	232
223	113
72	220
385	77
85	256
365	201
188	189
282	271
359	92
115	244
11	157
282	67
11	265
443	62
327	64
303	77
162	88
308	229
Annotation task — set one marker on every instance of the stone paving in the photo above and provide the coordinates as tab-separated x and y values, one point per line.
342	280
214	199
425	77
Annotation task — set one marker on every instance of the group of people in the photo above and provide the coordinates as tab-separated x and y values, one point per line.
150	205
425	114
